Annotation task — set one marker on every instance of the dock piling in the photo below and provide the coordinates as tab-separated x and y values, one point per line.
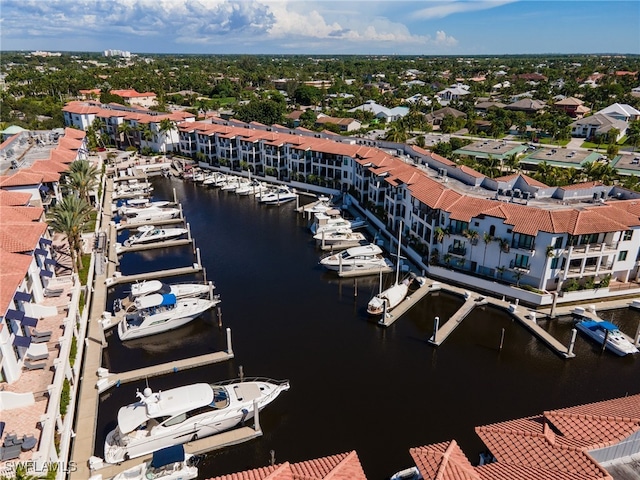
198	255
355	287
241	373
501	340
574	332
637	337
436	326
229	348
256	417
272	461
188	231
219	313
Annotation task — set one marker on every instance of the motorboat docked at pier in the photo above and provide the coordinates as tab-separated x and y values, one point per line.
332	221
138	203
170	463
252	187
151	214
183	414
601	330
149	234
339	236
149	287
280	194
156	313
363	258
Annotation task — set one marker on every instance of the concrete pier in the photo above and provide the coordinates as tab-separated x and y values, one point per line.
121	250
131	225
117	279
409	302
443	332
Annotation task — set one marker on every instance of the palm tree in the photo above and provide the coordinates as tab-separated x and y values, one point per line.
69	218
513	161
82	178
633	133
504	247
396	133
125	129
472	236
165	126
487	239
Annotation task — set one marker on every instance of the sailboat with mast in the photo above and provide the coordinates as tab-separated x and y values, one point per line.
388	299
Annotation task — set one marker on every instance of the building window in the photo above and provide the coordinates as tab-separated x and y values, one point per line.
622	256
627	235
521	261
554	263
492	230
558	243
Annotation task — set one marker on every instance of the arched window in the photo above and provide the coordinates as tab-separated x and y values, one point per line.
492	230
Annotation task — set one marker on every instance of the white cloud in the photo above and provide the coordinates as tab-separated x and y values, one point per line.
446	8
442	39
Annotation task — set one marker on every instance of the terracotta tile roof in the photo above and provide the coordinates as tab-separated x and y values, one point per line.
344	466
20	214
74	133
503	471
20	179
21	237
63	156
443	461
13	198
582	186
81	108
14	269
527	179
69	143
51	166
131	93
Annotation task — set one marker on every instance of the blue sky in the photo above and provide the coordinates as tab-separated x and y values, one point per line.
425	27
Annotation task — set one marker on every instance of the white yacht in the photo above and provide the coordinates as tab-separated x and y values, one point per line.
150	214
170	463
149	234
411	473
155	313
363	258
183	414
231	184
339	236
599	330
281	194
321	205
332	221
253	187
180	290
215	179
141	203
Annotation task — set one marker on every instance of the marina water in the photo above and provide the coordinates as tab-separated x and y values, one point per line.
354	385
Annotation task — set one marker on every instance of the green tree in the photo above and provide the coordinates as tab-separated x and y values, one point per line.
633	133
82	178
69	217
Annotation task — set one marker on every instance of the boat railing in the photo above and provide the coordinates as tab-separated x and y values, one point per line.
251	379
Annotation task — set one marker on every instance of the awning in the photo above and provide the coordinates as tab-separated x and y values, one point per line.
44	188
46	273
30	321
14	315
20	341
45	241
167	456
41	251
50	261
22	296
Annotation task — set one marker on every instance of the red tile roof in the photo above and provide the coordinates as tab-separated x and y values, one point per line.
9	214
21	237
443	461
344	466
14	268
528	180
21	178
14	198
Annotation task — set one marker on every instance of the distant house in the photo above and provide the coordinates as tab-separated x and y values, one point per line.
345	124
574	107
635	92
454	93
598	124
383	113
94	93
532	77
437	117
621	111
527	105
146	99
483	107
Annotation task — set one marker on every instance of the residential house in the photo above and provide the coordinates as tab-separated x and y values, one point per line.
345	124
526	105
435	118
454	93
585	441
598	124
483	107
133	98
381	112
574	107
621	111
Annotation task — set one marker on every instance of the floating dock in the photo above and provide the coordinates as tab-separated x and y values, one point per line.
441	334
121	249
408	302
131	225
118	279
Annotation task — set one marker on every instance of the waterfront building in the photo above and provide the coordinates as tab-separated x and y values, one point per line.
40	322
510	236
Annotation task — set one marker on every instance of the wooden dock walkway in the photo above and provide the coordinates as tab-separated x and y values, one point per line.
450	325
118	279
113	379
408	302
121	249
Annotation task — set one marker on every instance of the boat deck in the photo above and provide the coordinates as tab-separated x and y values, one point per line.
121	250
131	225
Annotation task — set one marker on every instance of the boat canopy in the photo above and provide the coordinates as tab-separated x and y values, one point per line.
164	404
146	287
591	324
156	300
370	249
167	456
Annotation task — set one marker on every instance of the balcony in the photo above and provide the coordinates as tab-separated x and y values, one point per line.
518	268
458	251
592	248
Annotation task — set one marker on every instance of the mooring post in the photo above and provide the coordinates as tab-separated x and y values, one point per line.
436	326
229	347
198	256
241	373
256	416
604	342
273	457
175	199
574	332
637	337
355	287
188	231
219	313
324	243
204	273
501	339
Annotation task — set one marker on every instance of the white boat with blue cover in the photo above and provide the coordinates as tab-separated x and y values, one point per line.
184	414
170	463
158	313
599	330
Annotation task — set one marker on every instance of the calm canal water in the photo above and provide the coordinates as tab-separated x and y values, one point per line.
354	385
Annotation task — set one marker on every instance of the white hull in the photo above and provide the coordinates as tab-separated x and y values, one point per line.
185	311
391	297
152	214
151	435
331	238
177	471
180	290
154	235
616	341
363	258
